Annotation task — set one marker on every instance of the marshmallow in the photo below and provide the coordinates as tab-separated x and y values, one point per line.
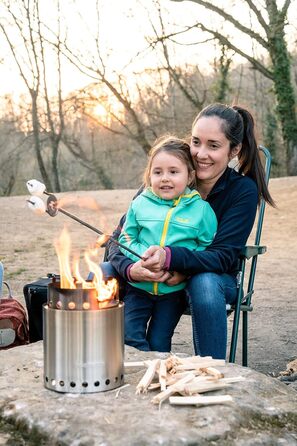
35	187
37	205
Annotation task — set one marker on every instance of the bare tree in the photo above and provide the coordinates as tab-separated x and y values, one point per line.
175	73
24	36
129	122
272	39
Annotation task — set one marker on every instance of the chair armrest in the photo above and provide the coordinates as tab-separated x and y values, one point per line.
251	251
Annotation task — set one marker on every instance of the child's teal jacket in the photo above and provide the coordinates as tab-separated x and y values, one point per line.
186	221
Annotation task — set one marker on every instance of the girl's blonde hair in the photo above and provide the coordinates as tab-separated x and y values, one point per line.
174	146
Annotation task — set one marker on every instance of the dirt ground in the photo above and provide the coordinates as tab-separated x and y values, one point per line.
28	253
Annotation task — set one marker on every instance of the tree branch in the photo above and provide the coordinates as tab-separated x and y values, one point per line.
224	41
285	8
258	15
230	19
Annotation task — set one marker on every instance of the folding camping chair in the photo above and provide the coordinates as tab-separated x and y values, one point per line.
244	297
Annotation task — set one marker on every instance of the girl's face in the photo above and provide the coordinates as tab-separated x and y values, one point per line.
169	176
210	149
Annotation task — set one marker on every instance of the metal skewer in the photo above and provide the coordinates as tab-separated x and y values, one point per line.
53	209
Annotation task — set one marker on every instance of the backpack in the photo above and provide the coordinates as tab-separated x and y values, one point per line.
14	327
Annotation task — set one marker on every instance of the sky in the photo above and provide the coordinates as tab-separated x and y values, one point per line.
124	26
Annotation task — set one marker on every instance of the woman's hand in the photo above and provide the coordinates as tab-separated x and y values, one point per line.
176	278
155	258
140	274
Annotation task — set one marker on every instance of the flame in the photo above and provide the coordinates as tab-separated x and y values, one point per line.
102	240
82	202
63	246
69	277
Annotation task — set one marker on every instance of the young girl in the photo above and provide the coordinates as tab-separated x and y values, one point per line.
167	212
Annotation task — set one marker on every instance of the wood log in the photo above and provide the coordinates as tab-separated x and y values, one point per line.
200	400
171	390
147	378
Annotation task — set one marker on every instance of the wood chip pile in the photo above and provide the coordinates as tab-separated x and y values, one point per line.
186	377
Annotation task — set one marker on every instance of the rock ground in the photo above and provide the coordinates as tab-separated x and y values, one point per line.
263	410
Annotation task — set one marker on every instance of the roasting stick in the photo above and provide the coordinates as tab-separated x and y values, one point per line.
36	204
97	231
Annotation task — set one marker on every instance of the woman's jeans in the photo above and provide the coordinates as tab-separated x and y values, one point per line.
149	320
208	295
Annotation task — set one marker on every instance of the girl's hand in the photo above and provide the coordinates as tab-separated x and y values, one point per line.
176	278
140	274
155	258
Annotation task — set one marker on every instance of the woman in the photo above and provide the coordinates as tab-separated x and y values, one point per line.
219	134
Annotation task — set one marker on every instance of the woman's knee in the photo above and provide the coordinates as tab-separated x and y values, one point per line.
203	288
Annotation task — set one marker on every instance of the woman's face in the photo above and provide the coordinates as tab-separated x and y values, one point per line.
210	149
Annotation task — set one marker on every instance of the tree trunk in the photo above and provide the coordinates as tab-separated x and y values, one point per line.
55	148
286	103
36	135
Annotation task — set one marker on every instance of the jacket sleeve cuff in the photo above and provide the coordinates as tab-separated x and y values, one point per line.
128	273
167	259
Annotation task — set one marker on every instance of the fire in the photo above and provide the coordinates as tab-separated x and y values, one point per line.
70	275
102	240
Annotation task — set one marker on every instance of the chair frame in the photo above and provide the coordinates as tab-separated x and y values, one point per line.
249	253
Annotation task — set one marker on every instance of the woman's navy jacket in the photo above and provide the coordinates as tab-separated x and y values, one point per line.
234	199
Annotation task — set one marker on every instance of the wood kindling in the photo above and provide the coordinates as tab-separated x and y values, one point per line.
188	377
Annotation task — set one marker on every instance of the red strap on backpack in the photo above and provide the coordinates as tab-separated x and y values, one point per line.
14	327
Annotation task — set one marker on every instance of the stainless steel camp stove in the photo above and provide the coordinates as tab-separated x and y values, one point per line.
83	341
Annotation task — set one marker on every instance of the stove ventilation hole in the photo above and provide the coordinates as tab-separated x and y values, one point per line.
71	305
107	382
61	383
72	384
96	383
85	384
86	305
53	382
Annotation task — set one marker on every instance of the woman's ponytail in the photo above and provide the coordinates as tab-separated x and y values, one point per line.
249	155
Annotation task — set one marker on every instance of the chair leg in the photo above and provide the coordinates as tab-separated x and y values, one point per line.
245	338
234	336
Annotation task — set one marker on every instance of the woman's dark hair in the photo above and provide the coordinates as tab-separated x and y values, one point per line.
176	147
238	127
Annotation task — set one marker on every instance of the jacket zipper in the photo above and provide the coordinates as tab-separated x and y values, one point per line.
164	234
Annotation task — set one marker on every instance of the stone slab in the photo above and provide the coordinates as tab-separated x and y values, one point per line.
263	411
